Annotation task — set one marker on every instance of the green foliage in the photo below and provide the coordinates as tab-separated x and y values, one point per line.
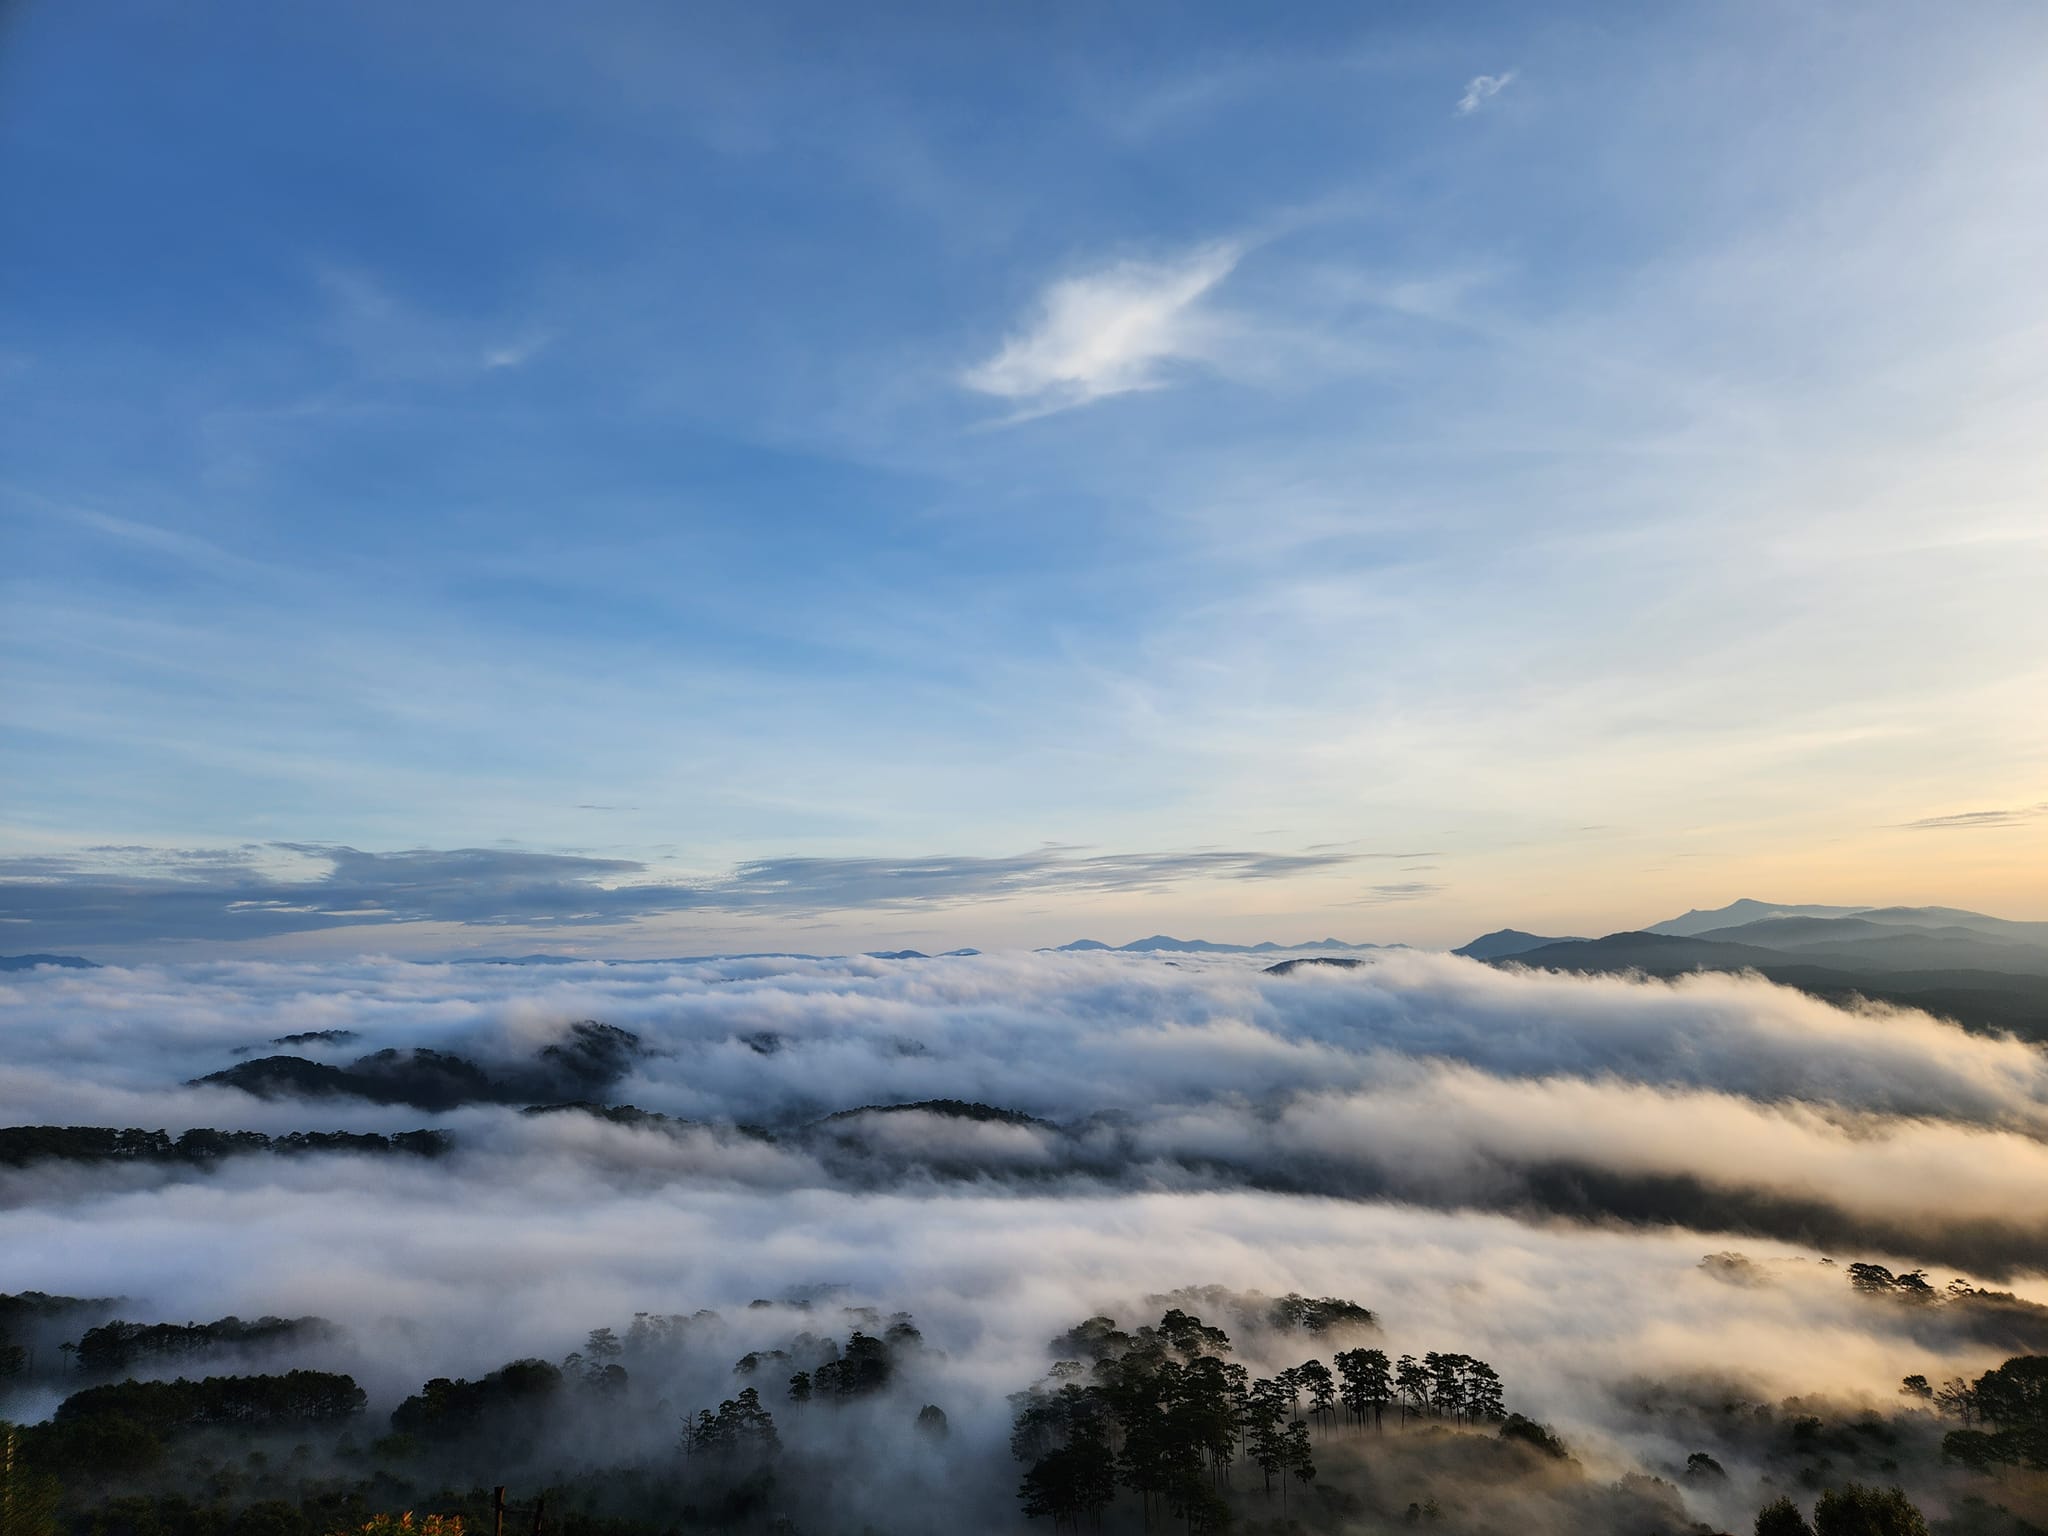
246	1402
510	1397
119	1346
1537	1436
1876	1280
1098	1338
1295	1313
2013	1400
1854	1510
1781	1517
741	1429
1070	1481
1321	1386
1368	1382
861	1370
2016	1393
94	1448
1166	1414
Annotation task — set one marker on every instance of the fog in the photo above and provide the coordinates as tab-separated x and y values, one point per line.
1528	1168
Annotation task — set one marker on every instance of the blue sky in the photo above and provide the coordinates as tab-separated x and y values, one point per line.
924	474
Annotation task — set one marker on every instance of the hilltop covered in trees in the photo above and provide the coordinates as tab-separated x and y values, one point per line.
1165	1412
122	1346
27	1144
1299	1414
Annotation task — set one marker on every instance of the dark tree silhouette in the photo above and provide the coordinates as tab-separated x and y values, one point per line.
740	1431
1300	1459
1854	1510
1781	1517
1321	1387
2013	1401
1411	1380
1368	1382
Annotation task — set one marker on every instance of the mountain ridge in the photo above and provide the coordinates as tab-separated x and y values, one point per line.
1162	943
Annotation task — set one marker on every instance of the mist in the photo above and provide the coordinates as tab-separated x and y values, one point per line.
1534	1169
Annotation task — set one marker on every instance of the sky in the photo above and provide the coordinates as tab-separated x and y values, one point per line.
650	480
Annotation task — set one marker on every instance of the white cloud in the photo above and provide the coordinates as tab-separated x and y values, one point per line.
1422	1078
516	354
1107	333
1419	1077
1482	89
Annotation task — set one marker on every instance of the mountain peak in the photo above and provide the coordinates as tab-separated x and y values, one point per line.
1508	941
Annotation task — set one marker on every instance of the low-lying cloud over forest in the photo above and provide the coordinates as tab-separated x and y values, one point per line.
1716	1102
1587	1181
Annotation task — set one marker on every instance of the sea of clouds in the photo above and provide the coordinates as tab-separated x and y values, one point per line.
1526	1167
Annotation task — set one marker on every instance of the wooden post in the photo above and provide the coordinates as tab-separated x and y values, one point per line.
498	1510
539	1504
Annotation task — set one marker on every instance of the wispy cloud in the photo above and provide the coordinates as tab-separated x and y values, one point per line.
1962	820
1482	89
1402	890
1107	332
130	896
393	338
516	354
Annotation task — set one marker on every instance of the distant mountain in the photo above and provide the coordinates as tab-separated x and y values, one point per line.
777	954
1507	941
1893	946
1697	922
897	954
1335	962
62	962
1955	917
1747	913
2009	995
1161	943
1661	954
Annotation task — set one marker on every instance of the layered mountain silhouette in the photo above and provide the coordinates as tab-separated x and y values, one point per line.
1507	941
1986	973
1161	943
62	962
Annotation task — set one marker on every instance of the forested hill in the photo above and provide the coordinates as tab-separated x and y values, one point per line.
1987	974
1253	1413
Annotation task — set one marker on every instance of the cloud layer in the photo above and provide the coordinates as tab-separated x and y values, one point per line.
1720	1103
127	896
1409	1133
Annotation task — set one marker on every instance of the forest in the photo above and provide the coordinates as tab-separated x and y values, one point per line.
1255	1414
